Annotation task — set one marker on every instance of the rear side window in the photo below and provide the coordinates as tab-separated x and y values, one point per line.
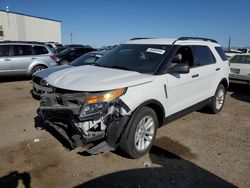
39	50
203	55
4	50
20	50
221	53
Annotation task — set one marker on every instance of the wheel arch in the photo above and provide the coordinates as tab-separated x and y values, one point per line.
225	83
157	107
33	65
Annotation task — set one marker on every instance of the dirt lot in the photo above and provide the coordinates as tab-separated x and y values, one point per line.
198	150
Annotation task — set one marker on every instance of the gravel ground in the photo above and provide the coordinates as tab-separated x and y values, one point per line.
198	150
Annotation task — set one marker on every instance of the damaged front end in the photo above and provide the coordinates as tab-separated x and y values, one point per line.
84	117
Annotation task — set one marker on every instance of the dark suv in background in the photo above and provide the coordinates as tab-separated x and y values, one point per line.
70	54
24	58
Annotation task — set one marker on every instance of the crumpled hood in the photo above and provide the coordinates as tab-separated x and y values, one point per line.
93	78
45	73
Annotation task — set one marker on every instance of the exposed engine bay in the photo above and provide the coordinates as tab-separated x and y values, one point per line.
82	117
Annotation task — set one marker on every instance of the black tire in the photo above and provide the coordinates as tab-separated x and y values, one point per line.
214	108
37	69
127	141
64	62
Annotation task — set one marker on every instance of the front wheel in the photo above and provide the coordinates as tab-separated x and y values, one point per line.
139	135
218	99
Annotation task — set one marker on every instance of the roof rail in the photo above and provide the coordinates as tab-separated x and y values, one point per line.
140	38
197	38
30	42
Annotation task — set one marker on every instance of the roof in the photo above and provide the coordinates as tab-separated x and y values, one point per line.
30	15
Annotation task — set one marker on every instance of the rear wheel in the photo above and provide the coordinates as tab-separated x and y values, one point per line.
140	133
37	69
218	99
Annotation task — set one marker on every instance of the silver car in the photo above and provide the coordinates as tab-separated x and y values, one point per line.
25	58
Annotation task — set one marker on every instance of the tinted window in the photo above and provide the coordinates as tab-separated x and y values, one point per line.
20	50
245	59
40	50
221	53
4	50
203	55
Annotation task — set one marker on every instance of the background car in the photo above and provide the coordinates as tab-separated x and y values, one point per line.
240	68
70	54
40	86
25	58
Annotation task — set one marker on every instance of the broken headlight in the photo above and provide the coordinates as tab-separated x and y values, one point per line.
94	104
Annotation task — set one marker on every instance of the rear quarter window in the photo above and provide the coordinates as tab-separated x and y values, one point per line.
39	50
221	53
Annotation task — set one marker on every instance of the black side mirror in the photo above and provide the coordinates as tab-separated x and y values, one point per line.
180	68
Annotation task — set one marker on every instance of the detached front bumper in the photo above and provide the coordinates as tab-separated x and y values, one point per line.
61	112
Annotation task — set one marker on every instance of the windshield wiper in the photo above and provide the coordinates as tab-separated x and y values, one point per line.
96	64
117	67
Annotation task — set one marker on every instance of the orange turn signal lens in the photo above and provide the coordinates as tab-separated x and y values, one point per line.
106	97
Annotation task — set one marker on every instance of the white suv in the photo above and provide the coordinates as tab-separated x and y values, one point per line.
139	86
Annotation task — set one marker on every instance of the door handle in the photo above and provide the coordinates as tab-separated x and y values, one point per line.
217	69
33	58
7	59
195	75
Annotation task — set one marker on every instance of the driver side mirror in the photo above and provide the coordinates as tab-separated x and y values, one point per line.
180	68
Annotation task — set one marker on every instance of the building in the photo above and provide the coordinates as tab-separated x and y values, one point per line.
21	27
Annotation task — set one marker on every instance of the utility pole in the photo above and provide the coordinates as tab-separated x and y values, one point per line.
71	37
229	44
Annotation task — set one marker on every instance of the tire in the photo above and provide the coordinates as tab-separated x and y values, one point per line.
64	62
136	134
37	69
218	100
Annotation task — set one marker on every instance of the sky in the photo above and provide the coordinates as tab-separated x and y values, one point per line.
107	22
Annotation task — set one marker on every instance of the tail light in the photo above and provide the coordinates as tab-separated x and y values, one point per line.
53	57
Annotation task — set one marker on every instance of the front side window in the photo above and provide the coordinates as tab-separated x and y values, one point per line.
22	50
203	55
4	50
185	56
244	59
39	50
142	58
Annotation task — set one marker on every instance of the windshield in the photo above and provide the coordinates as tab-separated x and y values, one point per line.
85	59
135	57
245	59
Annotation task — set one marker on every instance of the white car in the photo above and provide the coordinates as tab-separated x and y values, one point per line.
240	68
139	86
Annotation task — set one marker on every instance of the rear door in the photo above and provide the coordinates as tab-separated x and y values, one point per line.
21	58
5	62
206	71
